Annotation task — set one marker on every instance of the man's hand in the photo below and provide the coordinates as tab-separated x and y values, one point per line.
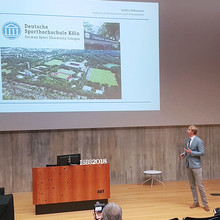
187	151
182	155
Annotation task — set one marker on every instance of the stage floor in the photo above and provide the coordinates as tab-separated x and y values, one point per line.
137	202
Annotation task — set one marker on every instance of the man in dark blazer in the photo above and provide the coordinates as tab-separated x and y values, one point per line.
194	149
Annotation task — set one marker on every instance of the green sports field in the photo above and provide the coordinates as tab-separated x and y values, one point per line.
6	71
53	62
103	77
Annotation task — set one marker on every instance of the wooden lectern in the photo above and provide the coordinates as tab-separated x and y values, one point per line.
70	188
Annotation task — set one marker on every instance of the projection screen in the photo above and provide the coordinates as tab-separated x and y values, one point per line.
97	64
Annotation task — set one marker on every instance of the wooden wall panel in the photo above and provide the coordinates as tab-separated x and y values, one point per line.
131	155
204	134
214	146
21	162
6	163
179	142
129	151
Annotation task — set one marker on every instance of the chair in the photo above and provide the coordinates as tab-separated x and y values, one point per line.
152	173
206	218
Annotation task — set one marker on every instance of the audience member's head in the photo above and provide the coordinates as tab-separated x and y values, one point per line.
112	211
98	207
217	211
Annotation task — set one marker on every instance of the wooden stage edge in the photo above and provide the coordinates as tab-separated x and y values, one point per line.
137	202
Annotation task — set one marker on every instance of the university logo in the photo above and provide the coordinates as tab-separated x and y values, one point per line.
11	30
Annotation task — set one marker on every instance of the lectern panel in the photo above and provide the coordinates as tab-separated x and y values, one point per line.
70	183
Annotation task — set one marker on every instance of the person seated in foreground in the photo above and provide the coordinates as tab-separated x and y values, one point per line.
98	208
216	211
112	211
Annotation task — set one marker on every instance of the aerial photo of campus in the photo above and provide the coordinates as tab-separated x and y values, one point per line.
60	74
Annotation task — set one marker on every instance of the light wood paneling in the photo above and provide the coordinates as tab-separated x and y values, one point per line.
214	146
129	151
21	162
6	162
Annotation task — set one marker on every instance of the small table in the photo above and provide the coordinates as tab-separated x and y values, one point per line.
153	173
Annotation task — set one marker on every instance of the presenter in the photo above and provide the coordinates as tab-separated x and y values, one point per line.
193	150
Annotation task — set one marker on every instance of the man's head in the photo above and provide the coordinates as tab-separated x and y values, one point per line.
112	211
98	207
192	130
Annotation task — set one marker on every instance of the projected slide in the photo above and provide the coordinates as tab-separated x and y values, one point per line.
98	56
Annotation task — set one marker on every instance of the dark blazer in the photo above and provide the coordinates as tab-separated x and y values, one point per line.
193	159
